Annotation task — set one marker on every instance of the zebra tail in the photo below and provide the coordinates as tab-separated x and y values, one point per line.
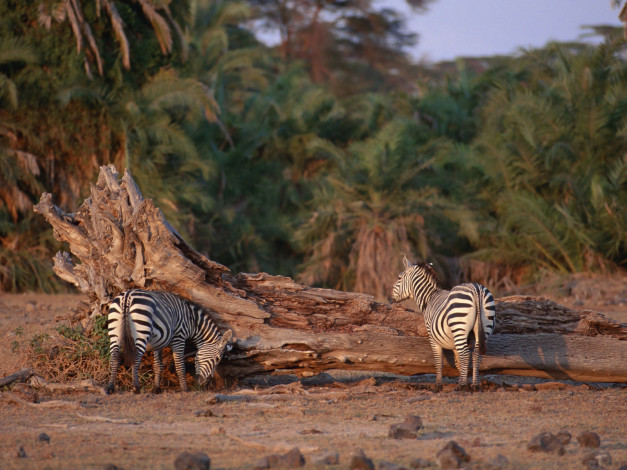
479	322
127	341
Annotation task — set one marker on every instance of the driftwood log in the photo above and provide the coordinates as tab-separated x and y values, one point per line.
123	241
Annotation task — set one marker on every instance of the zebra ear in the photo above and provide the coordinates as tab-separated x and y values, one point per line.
406	262
226	337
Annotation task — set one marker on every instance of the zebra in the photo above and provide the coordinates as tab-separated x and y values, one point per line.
450	317
140	320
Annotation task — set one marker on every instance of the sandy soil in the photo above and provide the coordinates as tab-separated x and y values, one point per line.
336	414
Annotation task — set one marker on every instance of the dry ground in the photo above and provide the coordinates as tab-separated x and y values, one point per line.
336	413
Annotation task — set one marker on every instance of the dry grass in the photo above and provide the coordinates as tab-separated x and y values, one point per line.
73	355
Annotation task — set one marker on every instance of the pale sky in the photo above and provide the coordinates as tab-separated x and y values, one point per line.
454	28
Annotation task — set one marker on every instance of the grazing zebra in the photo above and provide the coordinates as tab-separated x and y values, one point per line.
142	320
450	316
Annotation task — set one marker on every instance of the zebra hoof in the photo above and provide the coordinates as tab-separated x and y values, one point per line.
156	390
475	388
462	388
136	390
436	388
109	389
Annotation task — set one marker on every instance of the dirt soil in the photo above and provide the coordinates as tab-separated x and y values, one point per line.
330	416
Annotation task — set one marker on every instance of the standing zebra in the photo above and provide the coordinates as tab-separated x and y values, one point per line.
450	317
142	320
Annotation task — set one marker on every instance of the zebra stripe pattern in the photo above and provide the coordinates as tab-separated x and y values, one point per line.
452	317
141	321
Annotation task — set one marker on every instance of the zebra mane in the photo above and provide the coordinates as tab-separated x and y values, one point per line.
428	270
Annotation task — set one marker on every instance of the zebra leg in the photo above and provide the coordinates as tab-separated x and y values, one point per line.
158	370
464	356
114	364
476	360
178	352
135	368
437	354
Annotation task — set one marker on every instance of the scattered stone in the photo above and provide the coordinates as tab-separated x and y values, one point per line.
291	459
527	388
420	463
111	466
408	429
192	461
564	437
452	455
498	462
597	459
328	458
21	453
268	461
546	442
43	437
589	439
359	461
203	413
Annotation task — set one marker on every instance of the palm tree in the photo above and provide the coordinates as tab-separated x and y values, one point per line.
158	14
368	212
554	149
18	168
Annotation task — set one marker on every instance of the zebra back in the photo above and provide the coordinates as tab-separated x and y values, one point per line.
140	320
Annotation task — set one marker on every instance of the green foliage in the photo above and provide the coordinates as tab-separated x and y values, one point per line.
285	161
74	355
553	148
88	344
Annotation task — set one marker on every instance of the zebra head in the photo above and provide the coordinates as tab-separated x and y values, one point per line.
209	356
413	281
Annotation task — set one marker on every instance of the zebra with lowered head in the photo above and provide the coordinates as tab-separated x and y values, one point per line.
141	320
453	318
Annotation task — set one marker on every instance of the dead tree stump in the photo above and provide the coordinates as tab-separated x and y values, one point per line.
123	241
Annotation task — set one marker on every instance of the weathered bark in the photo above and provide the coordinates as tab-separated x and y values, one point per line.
123	241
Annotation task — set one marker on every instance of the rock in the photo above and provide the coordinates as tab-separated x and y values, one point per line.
327	458
266	462
452	455
408	429
597	459
420	463
564	437
204	413
498	462
291	459
21	453
546	442
192	461
111	466
359	461
589	439
43	437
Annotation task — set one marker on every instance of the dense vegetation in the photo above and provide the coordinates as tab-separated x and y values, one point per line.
322	158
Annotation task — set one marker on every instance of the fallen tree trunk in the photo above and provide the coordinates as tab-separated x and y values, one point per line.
123	241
